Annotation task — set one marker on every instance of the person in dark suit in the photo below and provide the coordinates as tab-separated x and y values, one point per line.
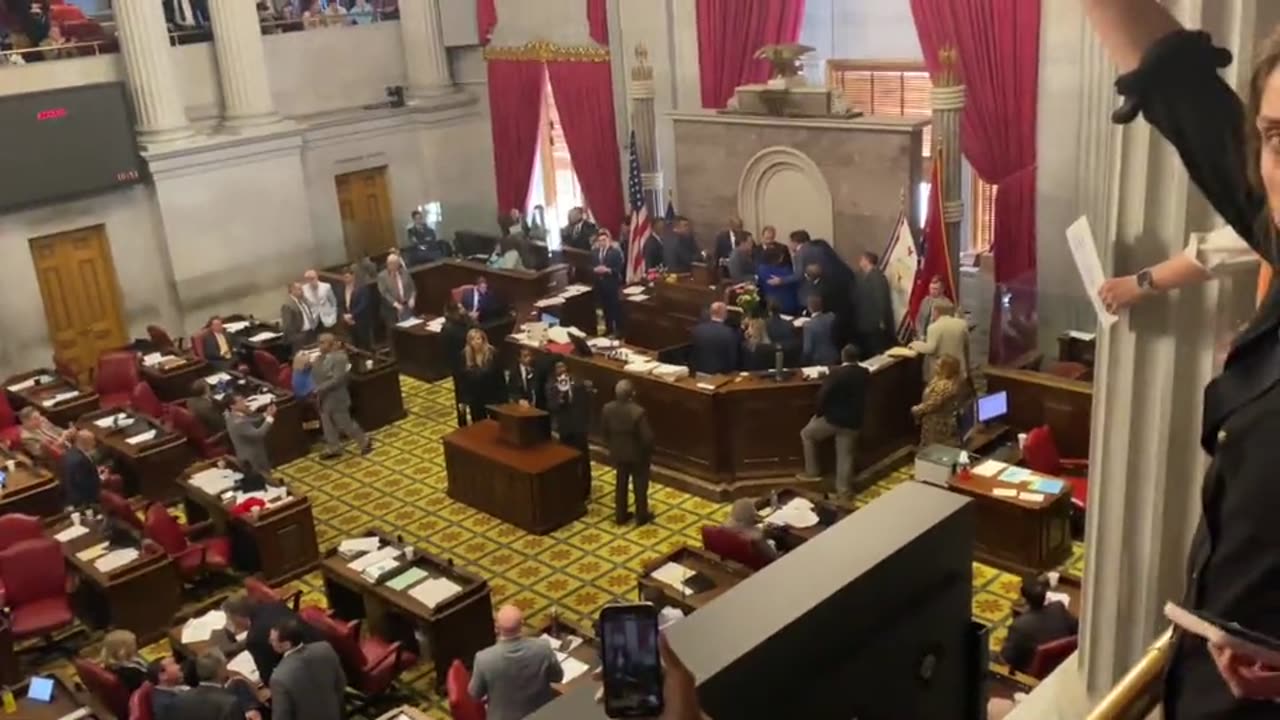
216	346
819	335
216	697
309	682
167	681
580	232
479	303
769	245
297	322
682	248
81	481
654	246
873	321
357	309
782	333
609	273
841	405
741	263
715	344
255	617
758	349
205	408
453	340
482	381
727	242
1041	623
570	408
525	383
629	439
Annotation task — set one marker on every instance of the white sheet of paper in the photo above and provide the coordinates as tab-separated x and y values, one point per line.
244	664
633	290
410	322
107	421
1085	254
574	642
364	544
1031	497
1005	492
549	302
142	437
264	336
200	629
1081	335
151	359
60	397
373	558
235	327
673	574
1063	598
991	468
434	591
116	559
76	714
71	533
572	667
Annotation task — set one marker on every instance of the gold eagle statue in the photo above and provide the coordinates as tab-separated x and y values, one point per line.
785	58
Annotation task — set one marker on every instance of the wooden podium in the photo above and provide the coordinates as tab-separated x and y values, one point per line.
519	425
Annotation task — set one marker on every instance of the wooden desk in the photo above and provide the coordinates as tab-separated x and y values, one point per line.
457	628
537	489
286	440
279	544
149	468
65	701
578	311
376	400
745	429
29	489
419	352
245	347
581	263
518	288
173	376
63	413
649	325
725	575
1023	536
588	652
830	511
1037	399
142	596
1073	347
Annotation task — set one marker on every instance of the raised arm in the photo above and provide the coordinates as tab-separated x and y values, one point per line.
1128	28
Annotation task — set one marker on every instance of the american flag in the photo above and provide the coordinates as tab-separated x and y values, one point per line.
639	217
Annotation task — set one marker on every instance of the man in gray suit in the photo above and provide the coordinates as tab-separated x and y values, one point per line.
514	676
297	321
214	698
398	292
627	435
329	371
309	683
248	433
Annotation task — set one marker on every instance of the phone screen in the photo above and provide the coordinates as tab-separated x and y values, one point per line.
629	653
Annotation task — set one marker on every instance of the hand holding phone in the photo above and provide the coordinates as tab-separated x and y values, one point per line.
632	670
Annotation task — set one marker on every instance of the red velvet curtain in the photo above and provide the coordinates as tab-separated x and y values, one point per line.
598	21
486	19
729	34
515	93
584	99
998	47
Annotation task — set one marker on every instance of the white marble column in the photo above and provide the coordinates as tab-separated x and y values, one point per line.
425	56
242	64
1152	365
148	61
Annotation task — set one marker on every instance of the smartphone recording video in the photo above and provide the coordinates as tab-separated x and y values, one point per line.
632	669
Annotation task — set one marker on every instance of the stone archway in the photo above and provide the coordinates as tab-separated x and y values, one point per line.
783	187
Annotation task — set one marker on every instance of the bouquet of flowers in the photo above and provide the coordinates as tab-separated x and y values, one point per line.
747	297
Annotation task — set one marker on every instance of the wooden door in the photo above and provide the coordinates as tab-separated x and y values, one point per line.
364	202
81	295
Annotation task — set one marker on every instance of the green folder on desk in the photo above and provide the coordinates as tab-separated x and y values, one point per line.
407	579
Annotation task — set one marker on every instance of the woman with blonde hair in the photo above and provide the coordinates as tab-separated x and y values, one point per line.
120	656
757	346
482	381
942	399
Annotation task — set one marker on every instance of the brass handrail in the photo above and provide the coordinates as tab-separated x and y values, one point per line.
1138	692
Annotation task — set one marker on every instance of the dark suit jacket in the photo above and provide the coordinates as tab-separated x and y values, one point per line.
207	412
580	237
206	702
209	344
527	384
487	303
571	417
309	684
626	431
453	340
842	398
783	333
258	641
617	264
484	385
654	252
873	306
164	703
715	348
363	302
724	244
80	481
1033	629
820	340
292	324
681	251
760	358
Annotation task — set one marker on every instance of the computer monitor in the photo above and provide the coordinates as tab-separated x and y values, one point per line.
993	407
550	320
40	689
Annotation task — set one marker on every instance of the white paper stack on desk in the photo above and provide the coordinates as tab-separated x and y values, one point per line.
27	384
353	547
435	325
60	397
244	664
116	559
670	372
674	575
797	513
110	420
200	629
265	336
370	559
433	591
216	481
140	438
71	533
410	322
575	289
216	378
259	401
235	327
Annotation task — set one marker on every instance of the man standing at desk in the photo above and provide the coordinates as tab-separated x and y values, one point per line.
356	307
873	308
682	248
629	438
514	676
655	246
728	240
569	406
320	298
331	374
580	232
248	433
841	403
297	321
395	284
715	344
216	346
81	481
609	269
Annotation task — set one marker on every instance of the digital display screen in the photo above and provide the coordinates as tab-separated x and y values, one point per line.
993	406
64	143
632	670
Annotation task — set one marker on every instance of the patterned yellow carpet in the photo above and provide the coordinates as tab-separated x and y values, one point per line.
579	568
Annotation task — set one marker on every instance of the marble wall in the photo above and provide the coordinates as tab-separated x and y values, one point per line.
866	164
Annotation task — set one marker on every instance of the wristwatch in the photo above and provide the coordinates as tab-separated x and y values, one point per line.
1145	280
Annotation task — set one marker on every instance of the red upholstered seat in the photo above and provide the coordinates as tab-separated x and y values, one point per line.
144	400
284	378
266	366
34	575
115	378
206	446
732	546
119	509
10	430
14	528
259	590
1050	655
1040	453
140	702
458	687
192	556
371	663
197	343
104	685
460	292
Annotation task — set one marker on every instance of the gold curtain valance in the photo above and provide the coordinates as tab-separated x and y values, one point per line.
542	51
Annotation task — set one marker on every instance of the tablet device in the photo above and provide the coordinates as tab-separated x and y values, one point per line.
1260	647
40	689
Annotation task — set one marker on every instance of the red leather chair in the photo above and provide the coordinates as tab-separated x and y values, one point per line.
262	592
1040	453
160	337
14	528
114	505
34	575
457	685
144	400
284	378
266	365
10	430
1068	370
732	546
197	343
192	555
115	378
140	703
371	663
459	292
1050	655
104	685
207	446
